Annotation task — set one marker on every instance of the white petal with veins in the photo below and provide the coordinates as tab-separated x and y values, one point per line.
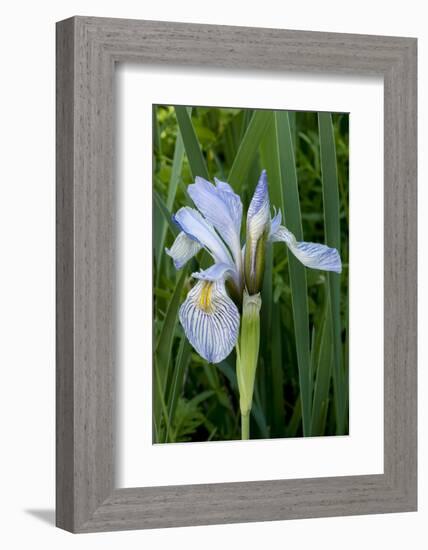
183	249
210	320
313	255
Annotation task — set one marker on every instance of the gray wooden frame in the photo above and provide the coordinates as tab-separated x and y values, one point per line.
87	50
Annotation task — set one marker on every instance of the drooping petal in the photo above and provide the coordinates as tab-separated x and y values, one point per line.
183	249
313	255
198	228
214	273
222	207
210	320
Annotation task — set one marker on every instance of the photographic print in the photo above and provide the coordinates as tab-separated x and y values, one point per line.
250	274
248	283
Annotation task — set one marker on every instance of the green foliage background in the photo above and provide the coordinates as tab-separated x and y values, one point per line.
302	376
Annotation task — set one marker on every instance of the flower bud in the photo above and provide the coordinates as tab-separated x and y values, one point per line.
248	350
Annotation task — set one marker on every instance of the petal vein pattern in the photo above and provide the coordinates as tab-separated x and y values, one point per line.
313	255
198	228
183	249
210	320
222	207
258	217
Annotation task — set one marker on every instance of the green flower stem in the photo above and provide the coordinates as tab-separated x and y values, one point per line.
247	354
245	426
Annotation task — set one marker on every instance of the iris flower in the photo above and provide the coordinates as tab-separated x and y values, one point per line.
229	288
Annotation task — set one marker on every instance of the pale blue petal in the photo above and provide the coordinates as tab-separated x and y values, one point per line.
183	249
216	272
223	186
222	207
210	320
258	219
313	255
275	223
258	216
198	228
282	234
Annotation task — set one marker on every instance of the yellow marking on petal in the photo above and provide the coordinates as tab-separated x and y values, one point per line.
205	301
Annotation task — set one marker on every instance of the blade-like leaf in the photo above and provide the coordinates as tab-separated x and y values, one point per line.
157	146
270	333
226	368
177	163
183	359
166	337
248	148
157	215
166	214
332	237
323	366
191	144
291	211
277	378
258	415
292	118
159	407
295	419
234	133
264	376
270	162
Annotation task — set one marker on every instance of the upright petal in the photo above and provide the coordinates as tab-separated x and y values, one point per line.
223	186
183	249
258	216
275	223
258	228
222	207
313	255
210	320
198	228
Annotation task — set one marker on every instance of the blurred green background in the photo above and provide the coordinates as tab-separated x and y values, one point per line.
302	376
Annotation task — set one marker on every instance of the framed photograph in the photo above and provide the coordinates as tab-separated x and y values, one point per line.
248	309
236	274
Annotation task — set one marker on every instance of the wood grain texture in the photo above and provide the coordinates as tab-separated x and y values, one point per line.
64	277
87	50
